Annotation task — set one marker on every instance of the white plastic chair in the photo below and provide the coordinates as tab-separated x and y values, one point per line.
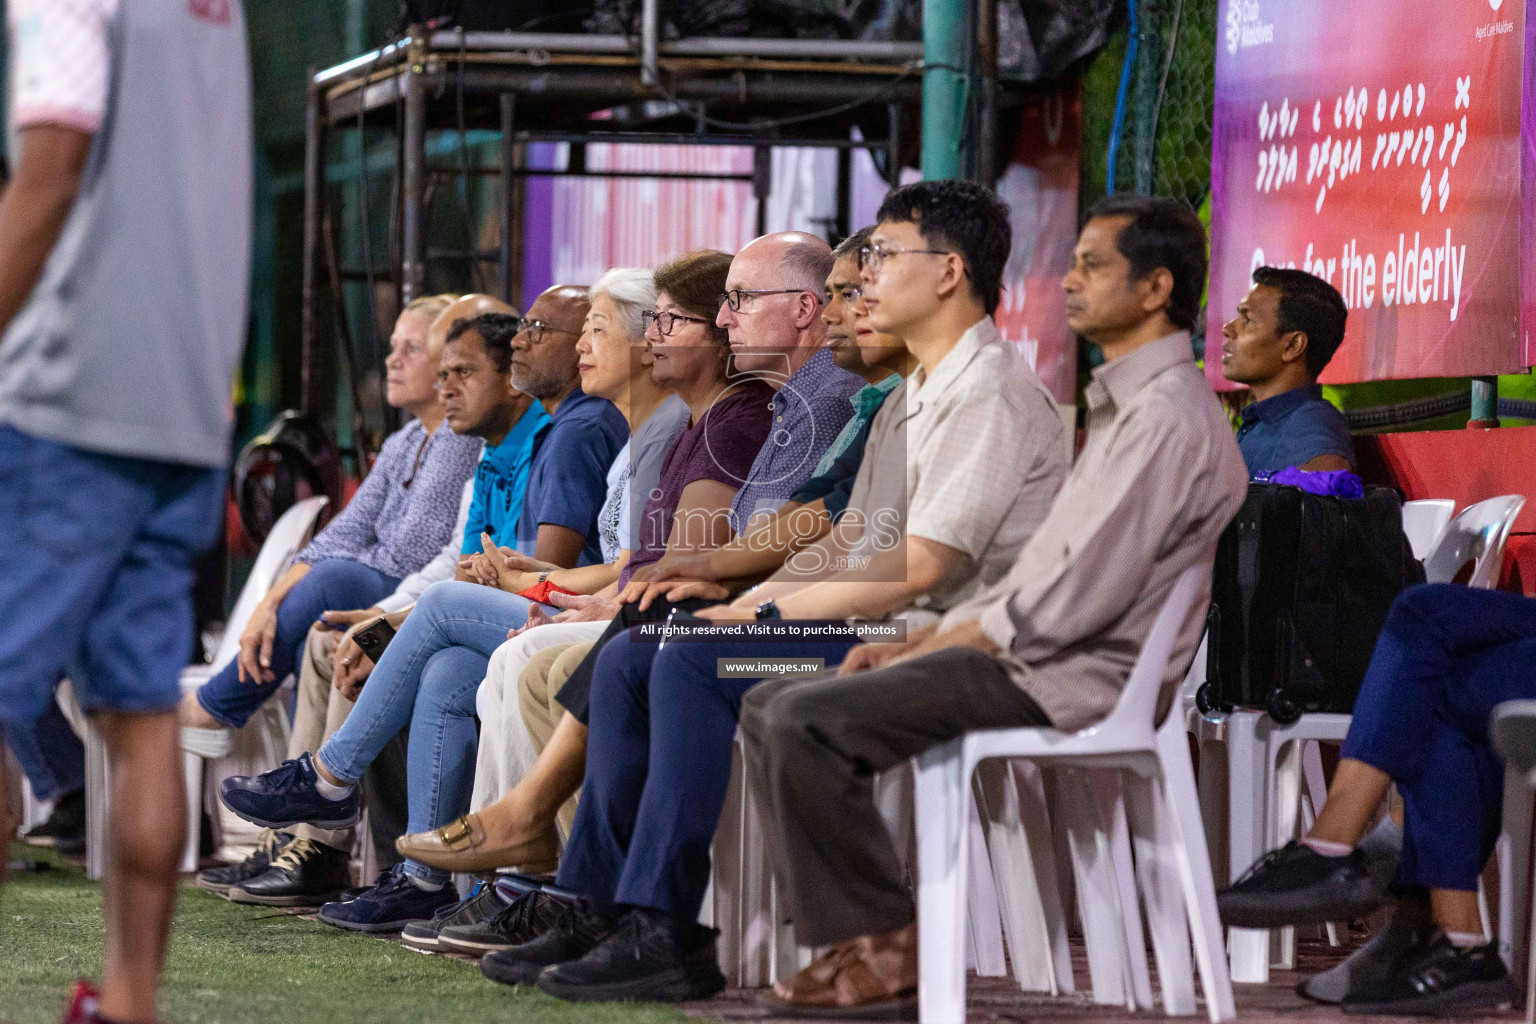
1476	535
1159	808
1424	521
1513	732
267	730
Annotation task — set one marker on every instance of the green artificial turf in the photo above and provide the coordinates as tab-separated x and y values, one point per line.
232	964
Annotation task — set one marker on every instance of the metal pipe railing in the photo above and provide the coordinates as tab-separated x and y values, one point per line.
565	42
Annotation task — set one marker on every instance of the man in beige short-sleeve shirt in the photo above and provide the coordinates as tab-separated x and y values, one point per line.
1050	644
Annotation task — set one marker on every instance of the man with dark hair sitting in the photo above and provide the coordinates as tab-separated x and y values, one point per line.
1286	329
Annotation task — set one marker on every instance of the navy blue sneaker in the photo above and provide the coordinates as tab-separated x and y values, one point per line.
288	795
393	902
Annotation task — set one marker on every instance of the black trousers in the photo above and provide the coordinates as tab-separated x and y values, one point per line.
813	747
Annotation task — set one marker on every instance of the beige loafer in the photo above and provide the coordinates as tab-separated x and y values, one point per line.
461	846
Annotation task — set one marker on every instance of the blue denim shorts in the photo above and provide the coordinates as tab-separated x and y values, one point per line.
96	557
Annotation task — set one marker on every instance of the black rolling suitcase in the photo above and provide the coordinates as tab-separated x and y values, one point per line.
1302	586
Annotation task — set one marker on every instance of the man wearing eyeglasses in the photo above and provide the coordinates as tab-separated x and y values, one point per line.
771	311
569	476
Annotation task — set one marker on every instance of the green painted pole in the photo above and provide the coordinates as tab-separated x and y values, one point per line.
1485	402
946	37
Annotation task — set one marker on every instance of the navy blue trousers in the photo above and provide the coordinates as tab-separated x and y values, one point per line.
1445	658
658	764
50	754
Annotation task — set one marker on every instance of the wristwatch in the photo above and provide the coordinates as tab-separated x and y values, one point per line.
768	610
544	576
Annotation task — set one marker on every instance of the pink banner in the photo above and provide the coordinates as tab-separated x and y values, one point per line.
1040	188
1377	146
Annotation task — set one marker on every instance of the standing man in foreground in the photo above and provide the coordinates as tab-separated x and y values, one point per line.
124	258
1051	644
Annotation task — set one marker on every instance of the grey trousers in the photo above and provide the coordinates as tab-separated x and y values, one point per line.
813	747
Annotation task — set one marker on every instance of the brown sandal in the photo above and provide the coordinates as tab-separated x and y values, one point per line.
842	984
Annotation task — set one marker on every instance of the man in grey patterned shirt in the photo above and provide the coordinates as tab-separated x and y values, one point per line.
771	310
1050	644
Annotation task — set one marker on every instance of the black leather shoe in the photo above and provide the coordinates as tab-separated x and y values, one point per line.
220	880
524	919
1438	979
1297	885
65	826
572	934
648	956
482	902
304	874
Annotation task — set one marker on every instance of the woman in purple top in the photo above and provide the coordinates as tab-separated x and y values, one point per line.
729	418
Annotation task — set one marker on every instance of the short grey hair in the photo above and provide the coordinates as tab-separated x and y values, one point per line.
631	291
806	265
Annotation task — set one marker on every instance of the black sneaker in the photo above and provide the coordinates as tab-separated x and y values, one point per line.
65	826
1439	978
220	880
304	874
287	796
524	919
482	902
1297	885
393	902
573	934
649	956
1373	962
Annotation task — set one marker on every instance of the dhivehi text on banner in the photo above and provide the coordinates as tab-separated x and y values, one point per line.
1377	146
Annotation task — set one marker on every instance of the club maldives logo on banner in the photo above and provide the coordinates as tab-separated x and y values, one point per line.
1352	145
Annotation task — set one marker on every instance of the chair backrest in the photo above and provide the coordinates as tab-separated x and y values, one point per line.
1424	521
288	537
1476	535
1513	732
1138	701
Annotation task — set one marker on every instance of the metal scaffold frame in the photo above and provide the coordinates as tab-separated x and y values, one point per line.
536	87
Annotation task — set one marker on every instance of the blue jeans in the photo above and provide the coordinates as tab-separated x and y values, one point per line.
50	754
335	583
1446	656
658	764
427	679
96	557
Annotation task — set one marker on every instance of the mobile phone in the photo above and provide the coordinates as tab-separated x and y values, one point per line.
373	638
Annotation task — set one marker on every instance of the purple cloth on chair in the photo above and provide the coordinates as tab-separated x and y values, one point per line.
1338	483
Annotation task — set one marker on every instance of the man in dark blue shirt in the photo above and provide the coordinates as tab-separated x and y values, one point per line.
1285	331
569	477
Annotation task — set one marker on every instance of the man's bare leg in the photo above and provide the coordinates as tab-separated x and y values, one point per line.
145	837
529	808
1353	799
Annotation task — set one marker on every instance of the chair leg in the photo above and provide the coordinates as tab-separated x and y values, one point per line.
98	803
1162	890
1180	804
984	914
192	777
1023	865
1247	792
943	793
1285	792
1514	851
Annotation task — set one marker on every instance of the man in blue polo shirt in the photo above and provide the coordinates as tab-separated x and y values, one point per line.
1286	329
568	481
